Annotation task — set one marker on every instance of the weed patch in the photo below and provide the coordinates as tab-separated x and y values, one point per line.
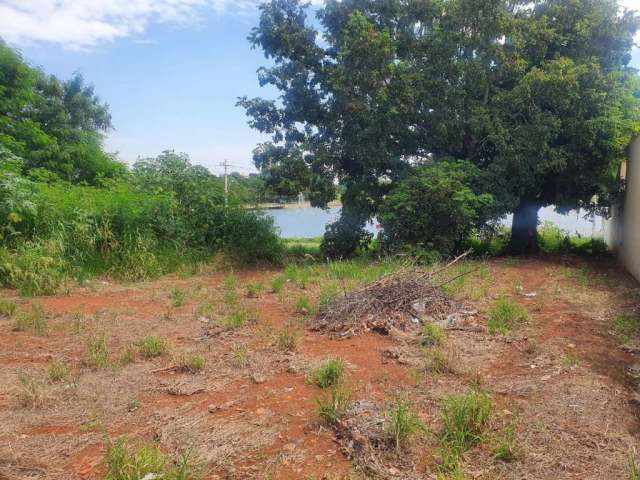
178	297
151	346
236	319
626	327
333	404
254	290
34	320
287	339
329	374
504	315
32	393
432	334
464	418
405	423
7	308
193	364
98	352
277	284
505	444
57	371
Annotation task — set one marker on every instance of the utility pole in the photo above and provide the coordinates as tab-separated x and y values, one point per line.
226	165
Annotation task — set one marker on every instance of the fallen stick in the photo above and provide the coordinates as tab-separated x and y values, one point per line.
455	260
457	277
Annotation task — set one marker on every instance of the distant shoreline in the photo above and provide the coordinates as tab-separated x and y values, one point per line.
294	205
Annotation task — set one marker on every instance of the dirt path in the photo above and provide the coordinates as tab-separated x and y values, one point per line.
251	412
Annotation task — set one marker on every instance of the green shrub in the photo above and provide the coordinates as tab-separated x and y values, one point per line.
504	315
435	206
34	268
345	237
464	418
98	352
151	346
57	371
404	423
333	404
7	308
34	320
251	238
329	374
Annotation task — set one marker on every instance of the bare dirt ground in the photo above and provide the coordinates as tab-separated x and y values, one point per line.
251	412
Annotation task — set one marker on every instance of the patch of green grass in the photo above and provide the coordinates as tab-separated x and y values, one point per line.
405	423
239	317
302	247
287	339
633	468
432	334
581	275
126	460
333	404
254	289
301	275
278	283
126	357
569	360
57	371
98	352
7	308
34	320
230	288
151	346
464	419
626	327
505	444
504	315
178	297
303	305
329	374
437	361
193	364
328	295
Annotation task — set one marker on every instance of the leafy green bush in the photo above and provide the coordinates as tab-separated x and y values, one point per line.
345	237
436	206
251	238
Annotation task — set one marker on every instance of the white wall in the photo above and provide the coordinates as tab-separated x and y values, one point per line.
622	231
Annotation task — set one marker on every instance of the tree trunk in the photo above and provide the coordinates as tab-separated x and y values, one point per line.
524	237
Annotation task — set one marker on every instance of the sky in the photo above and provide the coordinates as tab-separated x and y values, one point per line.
170	70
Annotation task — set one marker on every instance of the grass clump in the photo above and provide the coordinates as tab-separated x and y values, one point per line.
504	315
303	305
438	362
240	356
57	371
464	419
277	284
432	334
236	319
287	339
254	289
7	308
230	288
34	320
32	392
626	327
151	346
97	352
178	297
328	295
193	364
505	444
633	468
329	374
128	461
333	404
405	423
569	360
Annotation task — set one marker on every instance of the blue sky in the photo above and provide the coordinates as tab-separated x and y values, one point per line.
171	70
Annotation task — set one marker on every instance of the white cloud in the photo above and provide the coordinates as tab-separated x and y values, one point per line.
86	23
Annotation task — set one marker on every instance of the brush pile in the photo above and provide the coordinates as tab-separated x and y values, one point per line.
402	300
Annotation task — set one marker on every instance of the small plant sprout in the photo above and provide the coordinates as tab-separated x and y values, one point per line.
432	334
504	315
98	352
333	404
287	339
57	371
7	308
329	374
405	423
151	346
178	297
34	320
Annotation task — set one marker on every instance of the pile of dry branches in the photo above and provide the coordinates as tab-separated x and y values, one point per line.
398	300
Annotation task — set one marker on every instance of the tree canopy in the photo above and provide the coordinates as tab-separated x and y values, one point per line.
55	126
537	95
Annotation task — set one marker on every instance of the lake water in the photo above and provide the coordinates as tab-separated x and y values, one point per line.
310	222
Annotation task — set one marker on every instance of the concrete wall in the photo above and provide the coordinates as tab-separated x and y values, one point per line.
622	231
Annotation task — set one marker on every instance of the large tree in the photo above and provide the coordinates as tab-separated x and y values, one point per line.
54	126
538	95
